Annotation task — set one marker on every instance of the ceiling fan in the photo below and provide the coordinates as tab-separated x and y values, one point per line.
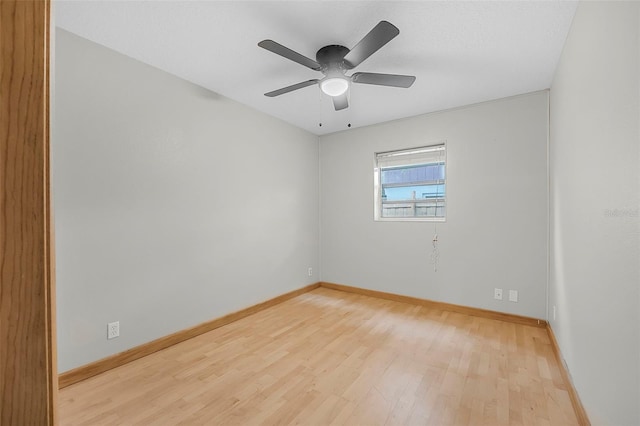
334	61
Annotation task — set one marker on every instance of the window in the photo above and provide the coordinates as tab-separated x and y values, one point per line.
410	184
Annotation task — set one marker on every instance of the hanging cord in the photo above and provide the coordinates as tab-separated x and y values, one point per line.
435	253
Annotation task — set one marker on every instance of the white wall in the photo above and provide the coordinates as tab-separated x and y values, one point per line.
173	205
595	268
496	229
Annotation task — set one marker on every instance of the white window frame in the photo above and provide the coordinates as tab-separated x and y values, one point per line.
377	186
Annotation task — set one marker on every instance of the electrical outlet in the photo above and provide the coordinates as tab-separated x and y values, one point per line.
554	312
513	295
497	293
113	330
310	272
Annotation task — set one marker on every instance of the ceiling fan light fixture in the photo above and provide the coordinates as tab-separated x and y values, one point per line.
334	86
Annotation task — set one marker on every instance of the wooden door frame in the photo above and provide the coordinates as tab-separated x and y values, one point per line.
28	370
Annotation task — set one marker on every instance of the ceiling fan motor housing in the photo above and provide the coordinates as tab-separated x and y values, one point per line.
331	57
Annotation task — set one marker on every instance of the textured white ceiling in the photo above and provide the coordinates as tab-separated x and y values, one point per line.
460	52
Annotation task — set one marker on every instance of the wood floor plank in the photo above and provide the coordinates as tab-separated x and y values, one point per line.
329	357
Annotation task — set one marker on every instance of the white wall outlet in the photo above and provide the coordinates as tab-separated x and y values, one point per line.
497	293
513	295
113	330
310	272
554	312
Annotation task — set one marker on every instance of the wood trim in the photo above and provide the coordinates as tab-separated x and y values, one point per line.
501	316
84	372
581	413
52	334
28	379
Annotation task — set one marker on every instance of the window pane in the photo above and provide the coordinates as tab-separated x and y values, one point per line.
397	193
397	210
411	174
430	208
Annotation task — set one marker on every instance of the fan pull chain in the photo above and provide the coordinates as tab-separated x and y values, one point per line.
320	106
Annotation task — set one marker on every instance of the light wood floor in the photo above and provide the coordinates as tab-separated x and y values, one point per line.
329	357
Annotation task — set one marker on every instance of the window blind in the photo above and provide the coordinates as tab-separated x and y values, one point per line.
408	157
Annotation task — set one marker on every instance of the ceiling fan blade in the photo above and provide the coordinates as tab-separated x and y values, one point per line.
380	35
383	79
291	88
279	49
341	102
